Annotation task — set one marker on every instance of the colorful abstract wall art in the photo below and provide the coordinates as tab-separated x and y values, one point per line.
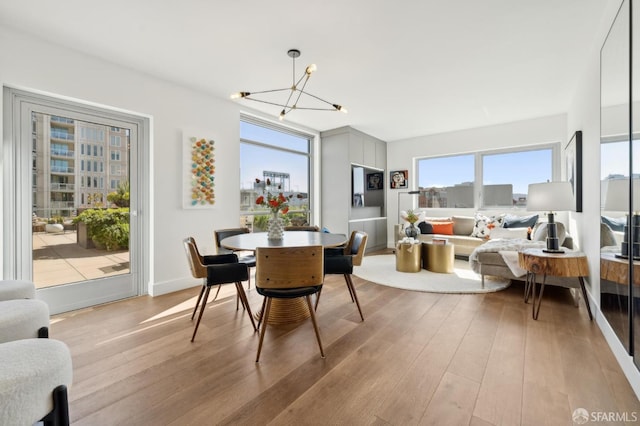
201	169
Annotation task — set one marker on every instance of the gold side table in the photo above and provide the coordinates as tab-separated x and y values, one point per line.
408	257
438	257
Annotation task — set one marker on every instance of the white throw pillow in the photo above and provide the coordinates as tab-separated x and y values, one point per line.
485	224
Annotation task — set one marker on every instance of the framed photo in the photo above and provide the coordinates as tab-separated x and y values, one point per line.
573	158
374	181
399	179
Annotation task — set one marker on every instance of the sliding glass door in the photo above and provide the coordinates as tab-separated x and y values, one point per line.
73	226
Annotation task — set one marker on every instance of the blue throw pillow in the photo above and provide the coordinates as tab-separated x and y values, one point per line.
615	223
325	230
513	221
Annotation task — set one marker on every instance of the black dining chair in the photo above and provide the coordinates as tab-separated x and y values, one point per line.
248	259
288	273
220	269
342	261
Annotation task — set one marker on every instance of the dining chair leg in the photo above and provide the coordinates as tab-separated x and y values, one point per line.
346	278
195	308
315	324
245	302
264	301
265	314
354	295
204	303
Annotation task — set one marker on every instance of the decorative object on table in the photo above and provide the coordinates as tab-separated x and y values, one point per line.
573	157
411	217
296	90
199	164
399	179
550	197
616	198
399	211
277	204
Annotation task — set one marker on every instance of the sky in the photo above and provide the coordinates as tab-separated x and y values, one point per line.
517	168
256	159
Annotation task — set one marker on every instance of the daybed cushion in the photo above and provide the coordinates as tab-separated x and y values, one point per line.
540	233
513	221
607	237
615	223
444	228
463	225
425	228
484	224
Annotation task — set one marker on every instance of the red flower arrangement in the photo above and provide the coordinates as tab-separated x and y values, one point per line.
277	203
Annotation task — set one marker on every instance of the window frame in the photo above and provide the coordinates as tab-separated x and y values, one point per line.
478	183
312	155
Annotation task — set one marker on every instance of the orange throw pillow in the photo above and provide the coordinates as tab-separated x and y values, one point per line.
442	228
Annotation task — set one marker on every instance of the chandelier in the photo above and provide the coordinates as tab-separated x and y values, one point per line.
296	91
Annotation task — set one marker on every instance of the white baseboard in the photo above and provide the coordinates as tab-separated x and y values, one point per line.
165	287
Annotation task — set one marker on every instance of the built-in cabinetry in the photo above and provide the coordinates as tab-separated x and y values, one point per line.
346	151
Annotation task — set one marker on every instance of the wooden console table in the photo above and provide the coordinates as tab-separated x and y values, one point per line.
568	264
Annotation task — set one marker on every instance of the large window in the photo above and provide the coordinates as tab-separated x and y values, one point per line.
276	160
499	179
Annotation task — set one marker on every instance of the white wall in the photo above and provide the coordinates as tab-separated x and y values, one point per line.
31	63
402	154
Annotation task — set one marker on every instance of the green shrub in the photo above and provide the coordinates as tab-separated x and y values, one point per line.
108	228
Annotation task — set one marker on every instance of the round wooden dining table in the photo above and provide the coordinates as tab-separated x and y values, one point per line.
253	240
284	311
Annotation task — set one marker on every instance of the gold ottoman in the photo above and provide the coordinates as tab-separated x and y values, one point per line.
438	257
408	256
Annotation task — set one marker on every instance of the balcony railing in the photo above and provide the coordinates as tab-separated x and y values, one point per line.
63	186
62	135
62	153
61	119
61	169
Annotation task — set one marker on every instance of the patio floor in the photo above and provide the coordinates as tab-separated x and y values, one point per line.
58	259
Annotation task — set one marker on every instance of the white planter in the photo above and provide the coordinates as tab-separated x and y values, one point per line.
54	228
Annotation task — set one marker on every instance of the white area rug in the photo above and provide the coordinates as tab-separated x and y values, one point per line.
382	270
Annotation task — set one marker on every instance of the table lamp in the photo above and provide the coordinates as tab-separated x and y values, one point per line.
617	200
550	197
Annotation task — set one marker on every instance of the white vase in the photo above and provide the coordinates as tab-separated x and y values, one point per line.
275	227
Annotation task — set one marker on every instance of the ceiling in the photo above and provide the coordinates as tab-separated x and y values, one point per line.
403	69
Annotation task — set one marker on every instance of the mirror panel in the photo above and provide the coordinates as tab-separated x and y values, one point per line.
615	175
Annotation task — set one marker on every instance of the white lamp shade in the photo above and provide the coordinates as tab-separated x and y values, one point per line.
617	195
550	196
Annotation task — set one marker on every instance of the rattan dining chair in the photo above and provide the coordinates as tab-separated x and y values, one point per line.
220	269
342	261
248	259
288	273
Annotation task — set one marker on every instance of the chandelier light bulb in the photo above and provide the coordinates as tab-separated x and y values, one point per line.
281	116
311	68
340	108
239	95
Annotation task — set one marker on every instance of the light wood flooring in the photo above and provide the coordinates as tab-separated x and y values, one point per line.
418	358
